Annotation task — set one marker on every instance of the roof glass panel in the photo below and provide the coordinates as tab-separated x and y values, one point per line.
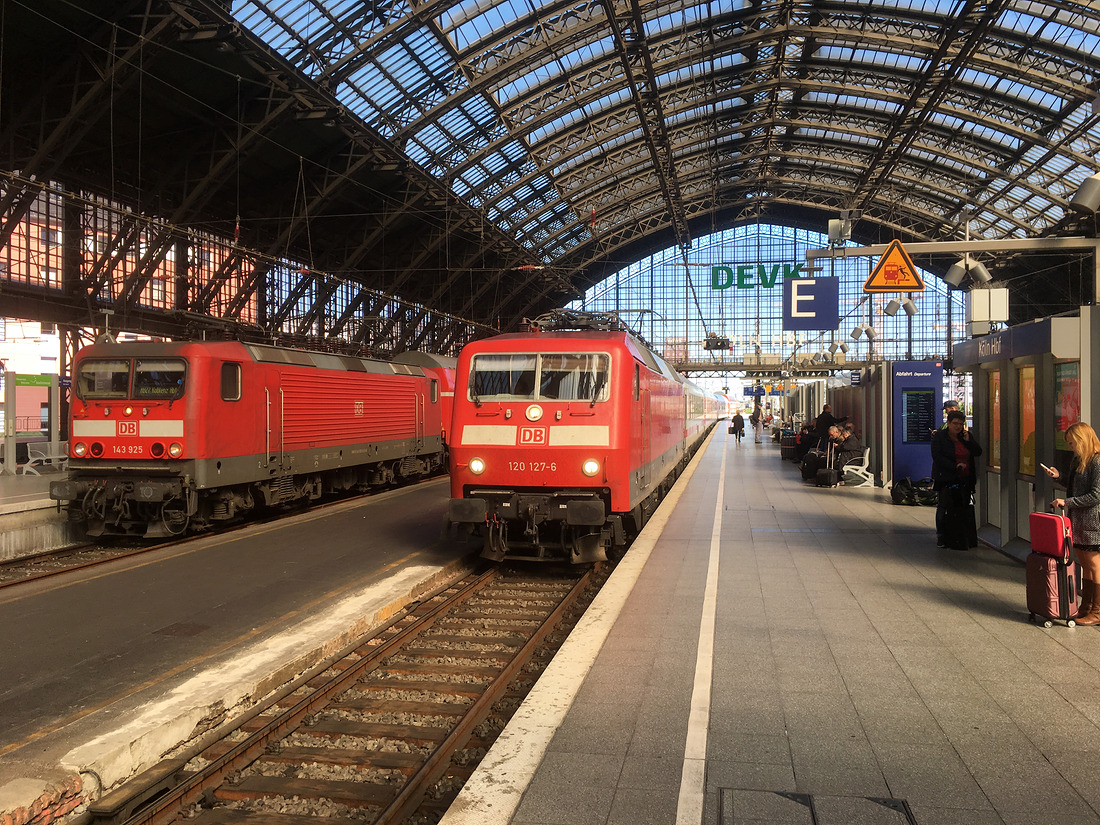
524	58
1062	27
863	103
1058	164
871	57
485	20
557	126
1009	89
681	18
384	93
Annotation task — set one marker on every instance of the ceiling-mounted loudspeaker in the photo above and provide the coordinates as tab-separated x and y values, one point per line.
909	306
967	266
839	230
869	331
979	274
1087	197
955	275
892	307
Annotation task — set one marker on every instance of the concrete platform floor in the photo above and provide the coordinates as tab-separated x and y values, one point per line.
781	653
106	670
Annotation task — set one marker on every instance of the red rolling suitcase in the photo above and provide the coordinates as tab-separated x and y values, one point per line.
1051	534
1051	590
1051	575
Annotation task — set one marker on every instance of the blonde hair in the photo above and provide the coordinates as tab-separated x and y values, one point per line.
1084	443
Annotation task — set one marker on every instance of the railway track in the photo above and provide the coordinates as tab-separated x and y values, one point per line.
90	554
390	730
63	560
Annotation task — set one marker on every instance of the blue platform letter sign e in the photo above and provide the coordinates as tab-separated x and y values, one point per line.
811	303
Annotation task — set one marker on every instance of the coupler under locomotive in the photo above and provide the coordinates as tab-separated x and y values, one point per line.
540	526
151	508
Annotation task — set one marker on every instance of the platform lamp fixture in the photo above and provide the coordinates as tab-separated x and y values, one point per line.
864	329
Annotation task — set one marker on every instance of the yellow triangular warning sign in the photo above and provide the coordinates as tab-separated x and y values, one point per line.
895	272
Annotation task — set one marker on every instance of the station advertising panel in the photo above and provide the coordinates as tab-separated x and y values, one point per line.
917	402
993	423
1026	385
1067	400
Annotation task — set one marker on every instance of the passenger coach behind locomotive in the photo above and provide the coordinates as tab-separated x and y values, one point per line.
170	436
565	438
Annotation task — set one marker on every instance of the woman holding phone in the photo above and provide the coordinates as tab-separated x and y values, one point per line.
1082	505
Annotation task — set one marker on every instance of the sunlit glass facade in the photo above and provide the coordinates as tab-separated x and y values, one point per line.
730	285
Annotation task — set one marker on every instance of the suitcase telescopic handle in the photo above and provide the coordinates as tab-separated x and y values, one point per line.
1067	543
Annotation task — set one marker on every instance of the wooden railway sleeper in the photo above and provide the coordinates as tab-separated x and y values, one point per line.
196	787
412	792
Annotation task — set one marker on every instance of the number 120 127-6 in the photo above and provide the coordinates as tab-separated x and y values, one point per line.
533	466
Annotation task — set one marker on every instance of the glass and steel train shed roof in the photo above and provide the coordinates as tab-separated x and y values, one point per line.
496	158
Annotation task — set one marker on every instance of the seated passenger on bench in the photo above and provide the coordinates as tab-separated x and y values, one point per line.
845	445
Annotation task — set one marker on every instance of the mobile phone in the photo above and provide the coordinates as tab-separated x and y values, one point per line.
1044	466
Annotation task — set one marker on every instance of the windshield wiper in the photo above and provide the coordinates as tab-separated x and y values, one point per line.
599	386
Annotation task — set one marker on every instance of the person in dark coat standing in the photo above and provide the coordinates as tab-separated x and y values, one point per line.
953	452
825	422
737	426
1082	505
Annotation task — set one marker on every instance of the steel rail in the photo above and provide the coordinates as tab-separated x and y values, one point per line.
166	807
412	792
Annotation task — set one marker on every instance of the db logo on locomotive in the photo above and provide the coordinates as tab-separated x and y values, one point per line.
127	428
532	435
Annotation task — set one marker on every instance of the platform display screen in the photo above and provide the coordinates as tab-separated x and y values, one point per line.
918	415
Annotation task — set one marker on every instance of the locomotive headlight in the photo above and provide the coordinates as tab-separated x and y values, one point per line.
477	466
80	449
127	411
590	467
175	449
534	412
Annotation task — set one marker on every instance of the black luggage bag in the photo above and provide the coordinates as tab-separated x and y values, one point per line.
811	463
827	476
787	445
959	528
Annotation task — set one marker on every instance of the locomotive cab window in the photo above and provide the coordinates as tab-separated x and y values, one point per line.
104	379
159	378
231	381
502	377
545	376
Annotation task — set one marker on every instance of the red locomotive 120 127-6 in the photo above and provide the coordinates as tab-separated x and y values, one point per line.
566	437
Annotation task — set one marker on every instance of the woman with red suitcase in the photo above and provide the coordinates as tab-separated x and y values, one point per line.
1082	503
